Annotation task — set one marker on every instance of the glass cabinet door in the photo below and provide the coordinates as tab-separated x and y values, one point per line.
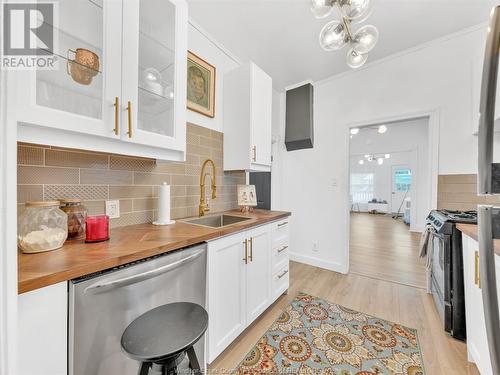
79	95
154	71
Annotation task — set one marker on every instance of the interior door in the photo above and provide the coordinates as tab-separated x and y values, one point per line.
81	93
258	274
154	72
401	185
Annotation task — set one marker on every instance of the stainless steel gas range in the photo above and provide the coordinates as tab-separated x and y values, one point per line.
445	267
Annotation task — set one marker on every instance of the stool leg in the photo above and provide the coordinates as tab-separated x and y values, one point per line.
157	369
193	361
144	368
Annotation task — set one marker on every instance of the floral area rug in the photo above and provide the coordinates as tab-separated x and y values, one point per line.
314	336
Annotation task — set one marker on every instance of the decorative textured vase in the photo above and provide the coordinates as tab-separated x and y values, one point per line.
84	66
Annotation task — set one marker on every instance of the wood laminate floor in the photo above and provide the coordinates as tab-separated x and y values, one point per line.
384	248
399	303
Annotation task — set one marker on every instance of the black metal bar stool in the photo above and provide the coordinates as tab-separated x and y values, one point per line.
160	338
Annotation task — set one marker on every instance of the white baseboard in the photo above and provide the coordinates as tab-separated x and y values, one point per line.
317	262
417	228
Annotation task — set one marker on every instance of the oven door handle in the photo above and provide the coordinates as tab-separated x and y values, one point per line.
107	286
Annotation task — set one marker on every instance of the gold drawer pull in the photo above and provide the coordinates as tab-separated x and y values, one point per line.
254	149
246	251
281	224
477	277
283	274
251	249
117	116
129	109
282	249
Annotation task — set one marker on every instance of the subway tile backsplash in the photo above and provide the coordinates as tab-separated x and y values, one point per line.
459	192
46	172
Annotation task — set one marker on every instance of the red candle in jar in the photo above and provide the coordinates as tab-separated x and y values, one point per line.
97	228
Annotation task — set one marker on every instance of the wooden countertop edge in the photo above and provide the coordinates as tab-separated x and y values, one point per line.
30	283
471	231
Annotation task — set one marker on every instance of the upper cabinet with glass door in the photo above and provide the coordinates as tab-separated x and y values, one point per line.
154	72
80	94
120	82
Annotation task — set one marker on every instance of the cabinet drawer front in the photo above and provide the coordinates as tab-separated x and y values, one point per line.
281	281
280	232
280	254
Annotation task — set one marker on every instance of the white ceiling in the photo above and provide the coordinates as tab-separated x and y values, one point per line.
281	36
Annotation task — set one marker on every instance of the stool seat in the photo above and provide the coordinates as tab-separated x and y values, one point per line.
164	332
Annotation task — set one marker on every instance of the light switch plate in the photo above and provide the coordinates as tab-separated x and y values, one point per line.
113	209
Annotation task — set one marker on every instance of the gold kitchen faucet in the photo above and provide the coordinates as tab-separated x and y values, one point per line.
203	203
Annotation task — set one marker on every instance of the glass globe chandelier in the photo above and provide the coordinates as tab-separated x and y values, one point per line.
337	34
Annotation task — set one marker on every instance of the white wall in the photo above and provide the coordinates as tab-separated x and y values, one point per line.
407	142
436	76
203	45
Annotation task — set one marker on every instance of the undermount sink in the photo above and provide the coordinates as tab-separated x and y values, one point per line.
216	221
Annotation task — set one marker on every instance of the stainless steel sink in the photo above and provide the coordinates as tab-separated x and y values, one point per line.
216	221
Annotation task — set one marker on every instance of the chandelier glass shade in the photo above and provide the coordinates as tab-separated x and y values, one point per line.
333	36
377	158
321	8
337	33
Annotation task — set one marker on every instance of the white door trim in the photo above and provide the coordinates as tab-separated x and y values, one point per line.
8	228
433	159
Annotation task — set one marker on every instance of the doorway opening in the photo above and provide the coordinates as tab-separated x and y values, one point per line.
390	197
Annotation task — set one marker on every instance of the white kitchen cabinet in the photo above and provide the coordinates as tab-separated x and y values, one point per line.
477	344
258	272
154	72
42	331
280	257
226	289
247	119
133	101
242	282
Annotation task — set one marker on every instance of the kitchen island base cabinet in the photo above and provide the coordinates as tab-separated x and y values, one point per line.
477	344
242	283
42	331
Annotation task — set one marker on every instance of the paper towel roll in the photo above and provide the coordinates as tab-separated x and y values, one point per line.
164	206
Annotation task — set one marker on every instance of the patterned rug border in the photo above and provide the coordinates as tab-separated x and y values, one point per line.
308	294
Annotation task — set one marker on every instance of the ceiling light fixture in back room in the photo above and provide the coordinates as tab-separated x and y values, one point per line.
336	34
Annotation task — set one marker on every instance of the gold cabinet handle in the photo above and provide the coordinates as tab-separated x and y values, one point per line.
282	224
254	150
283	274
129	109
251	249
246	251
282	249
117	115
477	277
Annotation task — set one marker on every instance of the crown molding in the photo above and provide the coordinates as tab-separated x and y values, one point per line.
214	41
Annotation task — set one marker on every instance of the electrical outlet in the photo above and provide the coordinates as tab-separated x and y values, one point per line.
113	209
315	246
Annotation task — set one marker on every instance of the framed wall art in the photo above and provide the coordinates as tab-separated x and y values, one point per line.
200	86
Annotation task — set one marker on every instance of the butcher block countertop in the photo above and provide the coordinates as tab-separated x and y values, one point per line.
471	231
127	244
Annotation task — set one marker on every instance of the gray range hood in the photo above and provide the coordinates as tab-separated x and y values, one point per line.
299	132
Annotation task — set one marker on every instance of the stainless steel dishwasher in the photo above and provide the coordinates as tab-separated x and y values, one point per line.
102	305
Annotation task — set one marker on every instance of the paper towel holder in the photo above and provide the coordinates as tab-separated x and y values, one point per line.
164	202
